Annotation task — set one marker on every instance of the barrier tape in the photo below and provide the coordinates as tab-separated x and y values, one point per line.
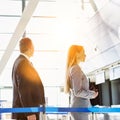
59	110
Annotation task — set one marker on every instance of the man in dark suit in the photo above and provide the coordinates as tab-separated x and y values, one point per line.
28	90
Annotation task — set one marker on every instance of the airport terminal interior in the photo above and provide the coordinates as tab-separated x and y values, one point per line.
54	25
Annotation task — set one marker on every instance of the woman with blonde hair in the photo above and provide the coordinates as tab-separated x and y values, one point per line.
77	83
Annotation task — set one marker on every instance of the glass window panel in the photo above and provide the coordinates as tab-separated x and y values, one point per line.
1	54
49	59
89	11
42	42
101	3
8	24
86	1
47	41
10	7
52	101
41	25
45	9
59	96
52	77
4	40
5	78
5	92
12	58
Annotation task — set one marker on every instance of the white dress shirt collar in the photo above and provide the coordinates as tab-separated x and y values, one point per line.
25	56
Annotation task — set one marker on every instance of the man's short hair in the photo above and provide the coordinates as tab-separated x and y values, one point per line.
25	44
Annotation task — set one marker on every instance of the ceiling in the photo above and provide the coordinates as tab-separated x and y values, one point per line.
54	25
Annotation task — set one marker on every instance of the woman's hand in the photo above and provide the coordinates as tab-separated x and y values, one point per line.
96	94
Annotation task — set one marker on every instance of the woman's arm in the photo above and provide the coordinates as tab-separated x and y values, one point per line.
77	78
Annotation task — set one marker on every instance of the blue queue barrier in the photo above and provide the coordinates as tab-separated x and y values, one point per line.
59	110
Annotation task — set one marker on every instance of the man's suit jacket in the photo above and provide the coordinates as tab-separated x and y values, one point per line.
28	90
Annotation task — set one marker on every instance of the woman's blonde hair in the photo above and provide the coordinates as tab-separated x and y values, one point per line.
73	51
